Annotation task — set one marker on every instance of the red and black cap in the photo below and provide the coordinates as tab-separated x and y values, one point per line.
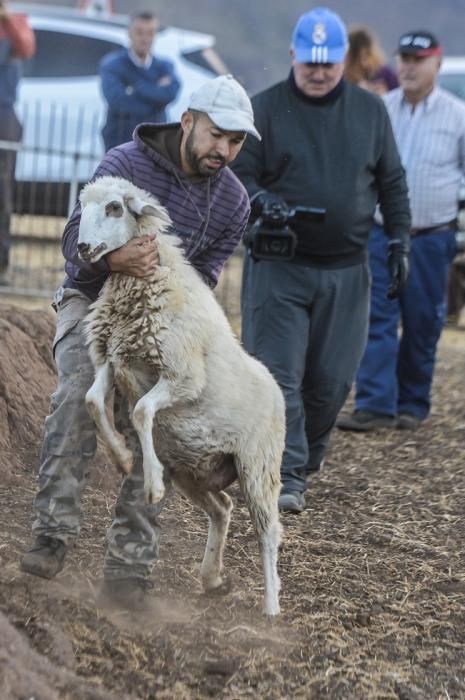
419	44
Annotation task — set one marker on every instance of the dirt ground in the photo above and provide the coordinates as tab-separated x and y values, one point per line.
373	572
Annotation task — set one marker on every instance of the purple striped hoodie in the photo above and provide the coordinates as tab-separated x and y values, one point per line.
209	214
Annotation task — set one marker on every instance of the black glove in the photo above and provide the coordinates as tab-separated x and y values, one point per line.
266	202
398	264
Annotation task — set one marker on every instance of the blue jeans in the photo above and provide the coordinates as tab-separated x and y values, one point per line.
396	373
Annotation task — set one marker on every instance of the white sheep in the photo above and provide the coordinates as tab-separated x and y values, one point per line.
200	404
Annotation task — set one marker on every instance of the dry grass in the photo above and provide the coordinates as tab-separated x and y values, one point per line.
373	578
373	581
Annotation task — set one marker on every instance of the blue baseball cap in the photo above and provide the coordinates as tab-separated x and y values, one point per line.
320	36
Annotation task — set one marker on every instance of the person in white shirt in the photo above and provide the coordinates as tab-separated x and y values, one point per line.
393	384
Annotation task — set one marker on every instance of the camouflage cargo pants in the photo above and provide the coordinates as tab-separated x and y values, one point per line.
68	449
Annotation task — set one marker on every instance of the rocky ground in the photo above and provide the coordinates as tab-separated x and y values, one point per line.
373	573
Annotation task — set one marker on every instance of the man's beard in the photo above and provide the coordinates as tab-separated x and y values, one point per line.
197	163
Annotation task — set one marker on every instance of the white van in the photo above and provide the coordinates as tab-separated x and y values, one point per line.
59	100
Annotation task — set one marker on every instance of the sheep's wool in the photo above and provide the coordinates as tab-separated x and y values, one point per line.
203	408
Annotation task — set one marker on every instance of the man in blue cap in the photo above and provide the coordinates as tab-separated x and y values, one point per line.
327	144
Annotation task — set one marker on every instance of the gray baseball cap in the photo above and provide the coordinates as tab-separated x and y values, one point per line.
226	103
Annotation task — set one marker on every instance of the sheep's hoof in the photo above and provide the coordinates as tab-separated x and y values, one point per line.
126	460
216	586
153	495
271	608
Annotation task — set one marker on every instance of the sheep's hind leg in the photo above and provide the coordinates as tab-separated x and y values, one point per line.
261	495
95	402
218	507
269	543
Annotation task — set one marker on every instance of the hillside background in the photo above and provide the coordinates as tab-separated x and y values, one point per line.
253	36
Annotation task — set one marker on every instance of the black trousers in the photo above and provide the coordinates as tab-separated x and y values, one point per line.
10	130
309	326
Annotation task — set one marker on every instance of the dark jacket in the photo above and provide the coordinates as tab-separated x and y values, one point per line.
133	94
339	155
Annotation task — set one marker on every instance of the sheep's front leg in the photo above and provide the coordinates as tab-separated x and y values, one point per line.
95	402
161	396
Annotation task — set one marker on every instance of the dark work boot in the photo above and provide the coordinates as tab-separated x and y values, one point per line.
291	502
125	593
365	421
407	421
45	558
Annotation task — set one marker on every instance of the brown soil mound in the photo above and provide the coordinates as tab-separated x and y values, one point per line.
373	574
26	674
27	378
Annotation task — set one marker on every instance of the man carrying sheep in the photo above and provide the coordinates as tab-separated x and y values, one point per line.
185	166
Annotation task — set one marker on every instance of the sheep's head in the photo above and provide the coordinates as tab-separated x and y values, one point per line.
111	215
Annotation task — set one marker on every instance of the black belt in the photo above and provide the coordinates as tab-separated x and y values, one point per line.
449	226
335	261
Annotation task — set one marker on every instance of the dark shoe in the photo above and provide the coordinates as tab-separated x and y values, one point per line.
407	421
364	421
125	593
45	558
4	277
291	502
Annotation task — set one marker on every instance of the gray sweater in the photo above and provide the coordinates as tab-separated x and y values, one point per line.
338	154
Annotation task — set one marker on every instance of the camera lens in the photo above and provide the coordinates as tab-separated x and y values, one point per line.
275	246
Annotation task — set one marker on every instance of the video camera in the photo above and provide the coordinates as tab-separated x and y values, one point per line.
271	236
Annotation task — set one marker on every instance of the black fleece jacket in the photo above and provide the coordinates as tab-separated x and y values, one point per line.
337	153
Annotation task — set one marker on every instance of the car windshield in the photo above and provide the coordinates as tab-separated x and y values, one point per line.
83	54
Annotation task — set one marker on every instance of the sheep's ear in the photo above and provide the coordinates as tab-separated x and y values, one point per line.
138	206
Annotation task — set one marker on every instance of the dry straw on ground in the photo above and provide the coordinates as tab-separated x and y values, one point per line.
373	579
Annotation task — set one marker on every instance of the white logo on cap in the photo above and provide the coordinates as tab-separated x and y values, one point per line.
319	35
406	40
422	41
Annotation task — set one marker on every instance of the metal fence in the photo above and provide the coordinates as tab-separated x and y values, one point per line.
48	180
59	151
